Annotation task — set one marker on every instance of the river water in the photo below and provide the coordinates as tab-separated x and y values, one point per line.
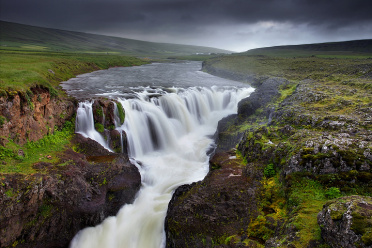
172	111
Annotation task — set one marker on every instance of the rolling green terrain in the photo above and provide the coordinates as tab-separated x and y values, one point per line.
321	117
350	49
21	70
30	38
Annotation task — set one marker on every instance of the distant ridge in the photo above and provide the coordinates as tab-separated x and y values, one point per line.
357	47
22	36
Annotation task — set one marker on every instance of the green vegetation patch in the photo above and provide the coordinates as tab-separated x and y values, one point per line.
43	150
121	112
21	70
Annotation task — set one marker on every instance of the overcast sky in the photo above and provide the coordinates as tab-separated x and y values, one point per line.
236	25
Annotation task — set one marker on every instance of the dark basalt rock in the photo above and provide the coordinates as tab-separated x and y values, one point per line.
347	222
260	97
201	213
225	139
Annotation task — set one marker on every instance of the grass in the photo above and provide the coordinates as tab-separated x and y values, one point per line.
344	49
43	150
20	70
307	197
299	68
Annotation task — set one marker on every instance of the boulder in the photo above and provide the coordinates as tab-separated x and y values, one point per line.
346	222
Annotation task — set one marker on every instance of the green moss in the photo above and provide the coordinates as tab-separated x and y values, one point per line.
332	193
10	193
99	127
367	237
99	112
45	210
2	120
337	211
269	171
121	112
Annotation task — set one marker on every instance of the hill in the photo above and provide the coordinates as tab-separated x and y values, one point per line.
25	37
330	49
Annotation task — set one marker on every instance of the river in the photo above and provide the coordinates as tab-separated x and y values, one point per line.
171	113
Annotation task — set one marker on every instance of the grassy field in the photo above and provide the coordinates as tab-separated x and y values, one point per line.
341	69
345	49
20	70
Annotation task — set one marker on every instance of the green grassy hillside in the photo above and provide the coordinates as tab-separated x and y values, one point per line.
351	49
27	37
21	70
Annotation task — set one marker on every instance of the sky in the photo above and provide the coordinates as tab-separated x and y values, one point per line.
235	25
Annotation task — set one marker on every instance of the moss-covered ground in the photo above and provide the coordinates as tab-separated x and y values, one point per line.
322	114
20	159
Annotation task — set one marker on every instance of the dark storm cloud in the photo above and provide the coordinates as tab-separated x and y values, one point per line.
186	17
84	13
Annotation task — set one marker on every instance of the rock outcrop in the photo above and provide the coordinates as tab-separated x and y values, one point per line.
23	113
207	213
347	222
48	208
217	211
265	93
314	134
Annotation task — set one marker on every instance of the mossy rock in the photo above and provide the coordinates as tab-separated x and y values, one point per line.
99	127
347	221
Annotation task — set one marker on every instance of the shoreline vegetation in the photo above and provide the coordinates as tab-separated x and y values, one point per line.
303	151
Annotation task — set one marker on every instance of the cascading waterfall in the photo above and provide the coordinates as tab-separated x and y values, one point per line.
85	123
170	136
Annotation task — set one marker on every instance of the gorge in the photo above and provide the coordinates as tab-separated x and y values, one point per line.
294	153
169	133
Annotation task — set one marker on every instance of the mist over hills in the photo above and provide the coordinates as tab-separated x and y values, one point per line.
26	37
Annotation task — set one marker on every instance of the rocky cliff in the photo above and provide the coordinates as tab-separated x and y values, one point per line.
299	144
79	187
29	116
48	208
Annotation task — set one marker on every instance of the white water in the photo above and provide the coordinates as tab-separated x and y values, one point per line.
170	136
85	124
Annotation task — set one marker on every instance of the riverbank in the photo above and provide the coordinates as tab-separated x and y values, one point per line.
51	184
306	143
305	138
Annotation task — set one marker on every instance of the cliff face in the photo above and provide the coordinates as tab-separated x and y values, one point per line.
48	208
81	186
300	144
209	212
32	115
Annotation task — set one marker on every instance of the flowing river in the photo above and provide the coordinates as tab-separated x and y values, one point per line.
171	113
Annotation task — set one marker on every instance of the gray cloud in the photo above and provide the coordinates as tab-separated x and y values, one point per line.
196	21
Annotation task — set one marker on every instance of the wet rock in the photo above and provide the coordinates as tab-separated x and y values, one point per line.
47	209
224	202
88	146
347	222
118	141
224	138
260	97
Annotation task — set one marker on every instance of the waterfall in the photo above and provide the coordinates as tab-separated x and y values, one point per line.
85	124
170	136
